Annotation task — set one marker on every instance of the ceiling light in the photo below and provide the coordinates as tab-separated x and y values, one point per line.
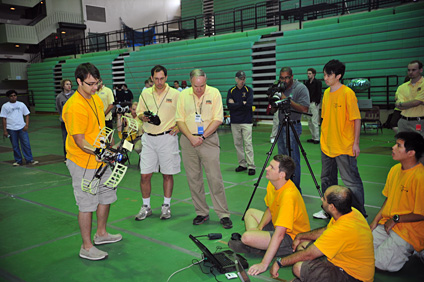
63	32
17	46
12	8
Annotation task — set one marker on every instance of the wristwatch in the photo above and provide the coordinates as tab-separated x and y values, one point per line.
396	218
203	137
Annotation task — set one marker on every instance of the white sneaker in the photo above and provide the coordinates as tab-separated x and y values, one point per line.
166	212
321	215
144	212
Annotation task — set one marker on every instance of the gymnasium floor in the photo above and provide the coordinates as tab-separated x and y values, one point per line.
40	239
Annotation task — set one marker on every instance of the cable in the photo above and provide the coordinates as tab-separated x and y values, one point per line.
194	262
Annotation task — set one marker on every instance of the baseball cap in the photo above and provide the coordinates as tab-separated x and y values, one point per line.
241	74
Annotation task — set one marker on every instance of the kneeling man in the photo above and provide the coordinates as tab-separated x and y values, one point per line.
341	251
273	231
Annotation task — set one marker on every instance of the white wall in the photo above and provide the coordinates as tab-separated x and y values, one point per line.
135	13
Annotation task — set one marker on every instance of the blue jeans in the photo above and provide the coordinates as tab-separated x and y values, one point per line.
282	149
20	136
349	173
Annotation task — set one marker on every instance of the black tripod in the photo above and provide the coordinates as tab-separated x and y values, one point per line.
284	109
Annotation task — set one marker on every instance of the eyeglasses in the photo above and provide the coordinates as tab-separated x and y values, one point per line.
285	78
91	84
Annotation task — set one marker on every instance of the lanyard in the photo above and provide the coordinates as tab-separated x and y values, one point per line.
154	100
201	104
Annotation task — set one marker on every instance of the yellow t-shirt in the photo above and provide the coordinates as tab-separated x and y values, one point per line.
82	116
404	190
164	105
209	106
287	208
407	92
348	243
106	95
339	111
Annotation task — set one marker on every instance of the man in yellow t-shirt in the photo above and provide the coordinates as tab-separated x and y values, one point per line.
410	99
340	130
341	251
199	113
84	118
160	143
398	228
106	94
274	230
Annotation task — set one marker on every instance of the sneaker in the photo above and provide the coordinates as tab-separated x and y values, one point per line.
144	212
321	215
240	168
16	164
251	171
33	162
109	238
200	219
316	142
166	212
226	222
92	254
310	140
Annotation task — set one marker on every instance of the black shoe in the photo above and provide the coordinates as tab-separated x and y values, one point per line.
310	140
251	171
240	168
226	222
316	141
200	219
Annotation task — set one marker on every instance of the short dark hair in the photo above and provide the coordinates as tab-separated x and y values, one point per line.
158	68
124	85
341	198
413	142
10	92
286	164
176	81
314	71
420	64
62	83
85	69
336	67
286	69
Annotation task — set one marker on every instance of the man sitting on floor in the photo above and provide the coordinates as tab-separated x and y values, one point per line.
398	228
273	231
342	250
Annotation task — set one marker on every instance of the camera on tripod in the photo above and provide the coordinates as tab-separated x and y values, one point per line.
153	118
123	107
274	96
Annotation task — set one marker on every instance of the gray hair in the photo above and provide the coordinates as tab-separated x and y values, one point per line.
197	73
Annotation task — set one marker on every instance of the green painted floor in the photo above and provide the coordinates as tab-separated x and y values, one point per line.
40	240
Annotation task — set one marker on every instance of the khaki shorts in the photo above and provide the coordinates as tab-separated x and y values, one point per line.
160	153
87	202
285	248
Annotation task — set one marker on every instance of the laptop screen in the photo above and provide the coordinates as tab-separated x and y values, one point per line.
205	251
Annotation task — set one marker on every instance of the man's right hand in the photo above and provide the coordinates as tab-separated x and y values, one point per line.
6	134
296	242
196	140
373	225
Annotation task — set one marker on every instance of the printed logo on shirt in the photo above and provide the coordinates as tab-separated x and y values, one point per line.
169	100
208	102
337	105
243	94
403	188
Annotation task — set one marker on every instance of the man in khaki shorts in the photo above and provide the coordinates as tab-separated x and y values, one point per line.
160	141
84	119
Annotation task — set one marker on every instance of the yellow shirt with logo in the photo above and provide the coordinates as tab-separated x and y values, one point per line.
209	106
339	111
107	97
83	116
164	105
404	190
348	243
287	208
407	92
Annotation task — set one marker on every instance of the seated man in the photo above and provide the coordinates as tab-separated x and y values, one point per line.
342	250
398	228
273	231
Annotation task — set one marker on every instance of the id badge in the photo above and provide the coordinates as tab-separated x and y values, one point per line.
198	118
200	129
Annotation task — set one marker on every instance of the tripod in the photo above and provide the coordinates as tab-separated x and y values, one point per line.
289	125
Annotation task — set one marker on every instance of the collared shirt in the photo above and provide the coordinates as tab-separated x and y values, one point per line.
240	112
209	106
315	90
407	92
164	105
106	95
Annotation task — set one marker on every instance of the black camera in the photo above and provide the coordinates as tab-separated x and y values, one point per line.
123	107
283	104
153	118
274	92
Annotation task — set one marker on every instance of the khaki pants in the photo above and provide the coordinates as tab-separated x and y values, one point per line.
206	156
242	135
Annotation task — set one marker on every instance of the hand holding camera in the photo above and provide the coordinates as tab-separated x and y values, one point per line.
152	118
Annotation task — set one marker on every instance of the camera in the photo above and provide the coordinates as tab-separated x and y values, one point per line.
123	108
274	92
283	104
153	118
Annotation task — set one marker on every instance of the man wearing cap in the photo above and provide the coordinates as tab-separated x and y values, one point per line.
199	113
184	84
240	102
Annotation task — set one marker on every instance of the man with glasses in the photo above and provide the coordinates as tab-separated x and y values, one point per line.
299	102
84	119
106	94
160	141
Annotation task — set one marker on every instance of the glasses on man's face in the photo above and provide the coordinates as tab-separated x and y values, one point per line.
285	77
91	84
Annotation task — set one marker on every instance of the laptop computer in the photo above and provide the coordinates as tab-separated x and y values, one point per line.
223	261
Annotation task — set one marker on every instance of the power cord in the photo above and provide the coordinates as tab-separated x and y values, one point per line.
194	262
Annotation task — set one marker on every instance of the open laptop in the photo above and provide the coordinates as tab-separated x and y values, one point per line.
223	261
